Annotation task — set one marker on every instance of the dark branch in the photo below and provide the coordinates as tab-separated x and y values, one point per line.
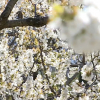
5	14
67	73
36	22
72	78
74	65
8	9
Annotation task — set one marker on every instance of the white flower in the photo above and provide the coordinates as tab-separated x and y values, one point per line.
87	72
98	68
76	88
95	3
84	98
75	2
39	78
2	3
64	93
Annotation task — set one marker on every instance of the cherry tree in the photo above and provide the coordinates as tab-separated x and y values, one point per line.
49	50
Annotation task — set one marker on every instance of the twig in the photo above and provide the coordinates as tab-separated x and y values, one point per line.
41	50
67	73
74	65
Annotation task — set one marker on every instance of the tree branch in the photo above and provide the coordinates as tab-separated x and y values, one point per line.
8	9
5	14
72	78
36	22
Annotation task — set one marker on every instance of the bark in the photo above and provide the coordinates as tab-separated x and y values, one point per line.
35	22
